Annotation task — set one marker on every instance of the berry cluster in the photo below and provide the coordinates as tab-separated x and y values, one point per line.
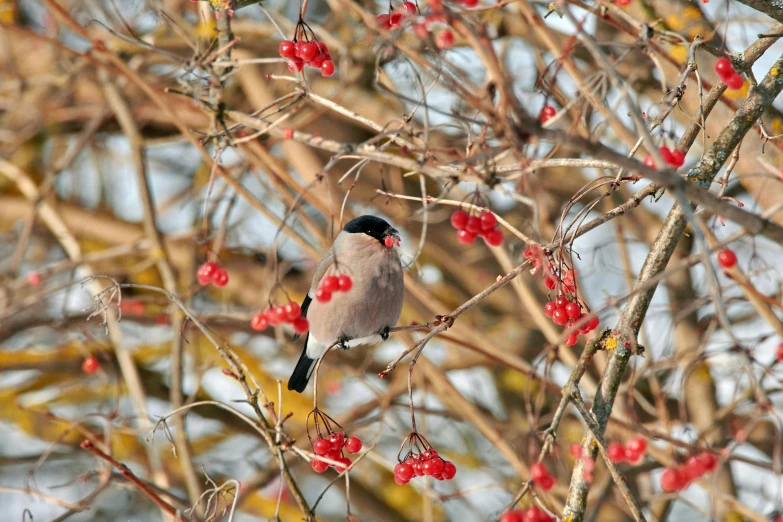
304	50
290	313
331	284
421	460
631	453
541	477
727	258
728	75
330	442
531	514
422	25
469	227
90	365
211	272
680	477
332	448
674	158
566	313
546	114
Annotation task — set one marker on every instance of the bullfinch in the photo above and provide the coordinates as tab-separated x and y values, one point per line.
365	251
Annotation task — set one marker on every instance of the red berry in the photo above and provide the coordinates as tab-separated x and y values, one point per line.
400	481
465	237
708	461
388	242
277	315
327	68
344	463
593	323
546	483
322	447
615	452
445	39
295	65
319	466
308	51
344	283
550	282
318	61
459	219
408	8
633	457
667	155
546	114
693	469
403	471
727	258
90	365
649	161
672	480
259	322
488	220
292	311
571	339
322	296
538	471
622	3
288	132
337	440
273	319
724	67
493	237
353	445
287	49
449	470
549	308
206	272
383	21
573	310
395	19
330	283
678	158
33	279
561	301
734	82
221	277
301	325
637	445
780	352
473	225
560	316
513	516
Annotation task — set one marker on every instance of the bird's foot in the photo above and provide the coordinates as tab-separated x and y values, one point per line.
385	333
342	343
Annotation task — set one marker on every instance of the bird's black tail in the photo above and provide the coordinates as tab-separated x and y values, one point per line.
301	376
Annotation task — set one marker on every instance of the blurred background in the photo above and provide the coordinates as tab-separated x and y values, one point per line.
98	177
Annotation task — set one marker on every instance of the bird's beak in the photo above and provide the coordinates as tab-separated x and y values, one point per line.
391	237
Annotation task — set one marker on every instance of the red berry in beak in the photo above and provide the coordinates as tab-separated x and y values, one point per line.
389	241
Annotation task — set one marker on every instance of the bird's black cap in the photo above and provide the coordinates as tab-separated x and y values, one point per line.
372	226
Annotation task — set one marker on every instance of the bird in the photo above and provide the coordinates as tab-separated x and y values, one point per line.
365	251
